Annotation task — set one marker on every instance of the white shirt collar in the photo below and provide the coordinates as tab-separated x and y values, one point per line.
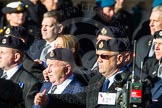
12	71
111	79
61	87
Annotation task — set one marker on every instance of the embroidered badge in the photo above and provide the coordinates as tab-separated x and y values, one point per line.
21	84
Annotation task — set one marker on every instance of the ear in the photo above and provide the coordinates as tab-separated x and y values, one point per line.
59	28
17	57
8	17
119	59
127	57
67	69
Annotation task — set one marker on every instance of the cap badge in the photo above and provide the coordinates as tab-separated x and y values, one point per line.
101	45
52	54
4	41
160	33
103	31
7	31
19	8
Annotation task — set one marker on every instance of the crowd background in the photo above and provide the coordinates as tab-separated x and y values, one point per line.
104	37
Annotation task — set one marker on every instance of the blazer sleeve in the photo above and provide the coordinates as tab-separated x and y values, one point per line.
69	100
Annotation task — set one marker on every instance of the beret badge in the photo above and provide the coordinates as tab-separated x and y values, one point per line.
52	54
103	31
4	41
101	45
160	33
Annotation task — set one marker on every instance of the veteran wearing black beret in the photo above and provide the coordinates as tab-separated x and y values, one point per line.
105	33
109	60
153	67
11	56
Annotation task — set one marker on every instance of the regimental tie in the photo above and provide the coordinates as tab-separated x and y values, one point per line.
4	75
53	88
105	86
160	71
44	52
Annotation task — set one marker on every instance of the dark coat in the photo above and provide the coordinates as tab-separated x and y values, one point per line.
29	85
33	67
142	49
36	48
10	94
34	16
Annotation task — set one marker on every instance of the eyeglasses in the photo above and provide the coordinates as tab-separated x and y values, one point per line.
105	56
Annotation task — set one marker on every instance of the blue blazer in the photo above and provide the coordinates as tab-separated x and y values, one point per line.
74	86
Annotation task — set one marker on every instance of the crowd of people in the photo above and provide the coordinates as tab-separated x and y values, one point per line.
51	55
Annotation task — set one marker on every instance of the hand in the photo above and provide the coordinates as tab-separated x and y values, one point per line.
41	98
38	61
45	75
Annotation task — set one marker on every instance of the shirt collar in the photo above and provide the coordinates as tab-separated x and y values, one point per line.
12	71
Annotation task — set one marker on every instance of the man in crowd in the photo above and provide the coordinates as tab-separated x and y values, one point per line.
51	27
62	80
153	68
23	14
11	56
145	45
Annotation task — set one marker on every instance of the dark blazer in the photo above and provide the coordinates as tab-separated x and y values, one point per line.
29	85
151	67
142	49
36	48
33	67
89	59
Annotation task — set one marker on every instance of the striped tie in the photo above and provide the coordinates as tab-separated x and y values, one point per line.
4	75
53	88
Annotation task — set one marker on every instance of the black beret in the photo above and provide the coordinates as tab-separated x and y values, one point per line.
12	42
17	31
115	45
62	54
158	34
13	7
112	31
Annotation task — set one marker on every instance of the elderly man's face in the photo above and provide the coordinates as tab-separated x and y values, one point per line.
155	21
56	71
158	48
107	62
